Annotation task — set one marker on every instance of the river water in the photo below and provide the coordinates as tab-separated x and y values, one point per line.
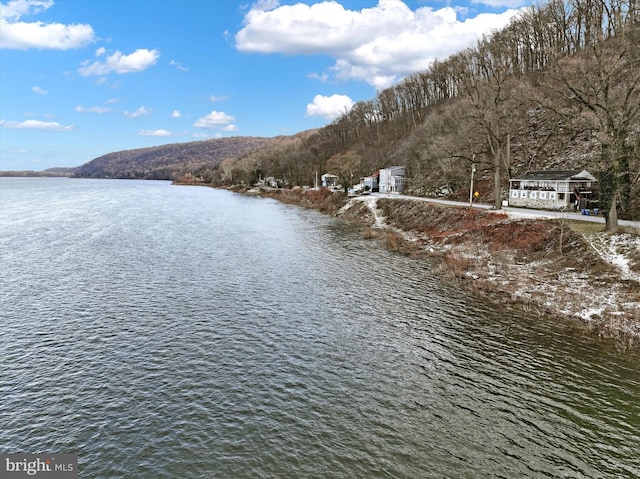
163	331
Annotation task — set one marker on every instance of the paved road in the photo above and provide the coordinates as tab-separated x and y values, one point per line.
519	212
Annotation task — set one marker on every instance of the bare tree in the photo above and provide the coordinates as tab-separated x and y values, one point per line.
345	165
494	104
604	82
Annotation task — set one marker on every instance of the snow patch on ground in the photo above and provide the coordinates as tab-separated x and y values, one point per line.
614	250
372	204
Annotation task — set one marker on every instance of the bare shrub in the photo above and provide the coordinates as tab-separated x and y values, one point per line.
456	265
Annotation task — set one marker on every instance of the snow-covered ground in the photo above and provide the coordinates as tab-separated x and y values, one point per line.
616	250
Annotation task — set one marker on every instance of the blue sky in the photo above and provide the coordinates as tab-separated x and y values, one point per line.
82	78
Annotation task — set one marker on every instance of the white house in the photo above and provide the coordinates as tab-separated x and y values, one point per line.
329	181
370	182
552	190
392	179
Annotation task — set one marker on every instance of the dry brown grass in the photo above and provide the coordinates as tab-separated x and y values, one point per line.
392	240
619	328
456	265
322	199
458	226
359	213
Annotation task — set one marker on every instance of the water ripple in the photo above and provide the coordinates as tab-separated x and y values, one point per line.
163	331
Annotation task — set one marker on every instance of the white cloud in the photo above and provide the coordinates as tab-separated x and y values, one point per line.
329	107
16	8
137	113
323	77
92	109
216	98
100	51
230	127
176	114
178	66
499	3
36	125
39	91
105	81
379	45
137	61
215	119
266	4
154	133
22	35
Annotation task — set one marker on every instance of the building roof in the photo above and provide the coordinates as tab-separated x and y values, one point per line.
556	175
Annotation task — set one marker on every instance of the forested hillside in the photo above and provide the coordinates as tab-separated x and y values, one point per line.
170	161
558	88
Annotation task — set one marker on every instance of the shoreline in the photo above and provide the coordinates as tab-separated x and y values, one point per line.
545	266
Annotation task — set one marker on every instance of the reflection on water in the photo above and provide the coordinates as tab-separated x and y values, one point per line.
163	331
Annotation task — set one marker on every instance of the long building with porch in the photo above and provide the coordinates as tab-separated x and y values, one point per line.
553	190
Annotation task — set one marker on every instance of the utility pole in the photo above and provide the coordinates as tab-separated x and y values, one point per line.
473	171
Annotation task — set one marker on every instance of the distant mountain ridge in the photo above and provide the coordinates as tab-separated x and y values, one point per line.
168	162
50	172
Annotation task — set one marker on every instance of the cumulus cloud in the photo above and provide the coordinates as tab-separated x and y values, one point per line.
36	125
19	35
154	133
215	120
500	3
137	113
16	8
176	114
329	107
137	61
39	91
378	45
92	109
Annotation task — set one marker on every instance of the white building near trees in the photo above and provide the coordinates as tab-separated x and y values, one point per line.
392	179
553	190
329	180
